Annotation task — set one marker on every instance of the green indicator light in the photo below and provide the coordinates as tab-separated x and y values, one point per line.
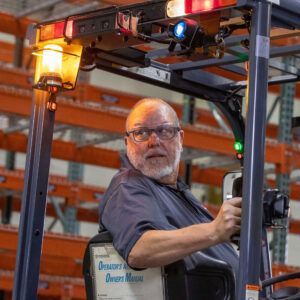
238	146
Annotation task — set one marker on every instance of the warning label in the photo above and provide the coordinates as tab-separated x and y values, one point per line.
252	292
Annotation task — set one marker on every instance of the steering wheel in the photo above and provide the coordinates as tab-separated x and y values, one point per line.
285	293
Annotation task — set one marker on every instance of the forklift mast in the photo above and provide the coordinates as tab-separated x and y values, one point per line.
216	50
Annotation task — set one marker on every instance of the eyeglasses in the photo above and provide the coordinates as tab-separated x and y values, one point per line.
164	132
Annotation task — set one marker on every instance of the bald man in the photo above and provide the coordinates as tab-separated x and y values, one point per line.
150	212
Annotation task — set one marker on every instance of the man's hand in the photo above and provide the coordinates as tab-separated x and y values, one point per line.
228	220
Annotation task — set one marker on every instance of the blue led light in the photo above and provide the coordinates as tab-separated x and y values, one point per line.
179	29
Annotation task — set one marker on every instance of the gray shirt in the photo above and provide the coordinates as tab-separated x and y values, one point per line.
135	203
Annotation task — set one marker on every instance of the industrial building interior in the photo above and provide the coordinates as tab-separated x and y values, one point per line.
89	136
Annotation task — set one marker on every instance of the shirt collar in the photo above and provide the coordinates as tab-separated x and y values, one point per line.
125	163
181	185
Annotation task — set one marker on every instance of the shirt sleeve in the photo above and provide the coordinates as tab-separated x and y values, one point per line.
130	211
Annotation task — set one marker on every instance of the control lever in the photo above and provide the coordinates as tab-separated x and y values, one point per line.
237	190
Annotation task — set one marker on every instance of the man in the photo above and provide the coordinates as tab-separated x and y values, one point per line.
150	212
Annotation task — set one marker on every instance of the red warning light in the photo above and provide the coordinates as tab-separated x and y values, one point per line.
239	156
52	106
195	6
58	29
53	89
69	29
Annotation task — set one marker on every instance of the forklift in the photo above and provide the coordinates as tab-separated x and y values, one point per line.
170	44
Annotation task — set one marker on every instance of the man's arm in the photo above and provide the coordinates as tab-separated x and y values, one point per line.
161	247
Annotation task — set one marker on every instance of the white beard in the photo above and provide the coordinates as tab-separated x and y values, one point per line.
153	168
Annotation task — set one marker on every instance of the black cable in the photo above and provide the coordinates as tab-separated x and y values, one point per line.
151	38
233	93
280	278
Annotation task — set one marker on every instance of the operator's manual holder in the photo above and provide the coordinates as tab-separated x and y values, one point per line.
113	279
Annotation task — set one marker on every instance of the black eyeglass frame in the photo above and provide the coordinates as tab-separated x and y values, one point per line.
153	130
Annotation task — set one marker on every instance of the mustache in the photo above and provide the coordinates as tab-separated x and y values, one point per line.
154	154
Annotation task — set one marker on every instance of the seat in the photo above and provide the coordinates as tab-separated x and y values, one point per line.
199	276
103	237
196	277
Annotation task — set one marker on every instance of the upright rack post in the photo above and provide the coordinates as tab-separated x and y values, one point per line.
287	94
251	227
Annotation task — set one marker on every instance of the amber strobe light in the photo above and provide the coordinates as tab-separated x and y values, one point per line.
176	8
52	65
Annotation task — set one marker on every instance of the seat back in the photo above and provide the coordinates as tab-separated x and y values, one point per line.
103	237
108	276
199	276
196	277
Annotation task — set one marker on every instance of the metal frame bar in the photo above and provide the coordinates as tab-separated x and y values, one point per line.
177	83
34	199
36	8
251	227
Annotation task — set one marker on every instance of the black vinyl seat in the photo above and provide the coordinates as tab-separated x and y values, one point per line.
199	276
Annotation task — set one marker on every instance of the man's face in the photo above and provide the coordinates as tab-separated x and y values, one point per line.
154	157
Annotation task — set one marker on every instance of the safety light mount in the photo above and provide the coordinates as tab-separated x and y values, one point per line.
57	59
57	65
188	33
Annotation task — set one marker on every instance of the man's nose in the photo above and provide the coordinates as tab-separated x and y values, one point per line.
153	139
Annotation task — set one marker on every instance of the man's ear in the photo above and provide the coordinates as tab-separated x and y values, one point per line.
181	132
125	140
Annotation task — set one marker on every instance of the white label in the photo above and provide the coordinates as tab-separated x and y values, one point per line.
275	1
251	295
152	72
114	280
262	46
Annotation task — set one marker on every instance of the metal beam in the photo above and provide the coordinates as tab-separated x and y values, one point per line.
191	153
37	7
83	214
235	69
287	14
34	199
15	128
98	140
270	113
283	67
12	181
251	225
217	162
218	117
10	25
58	186
203	77
84	92
79	9
61	127
50	265
271	81
211	140
233	59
